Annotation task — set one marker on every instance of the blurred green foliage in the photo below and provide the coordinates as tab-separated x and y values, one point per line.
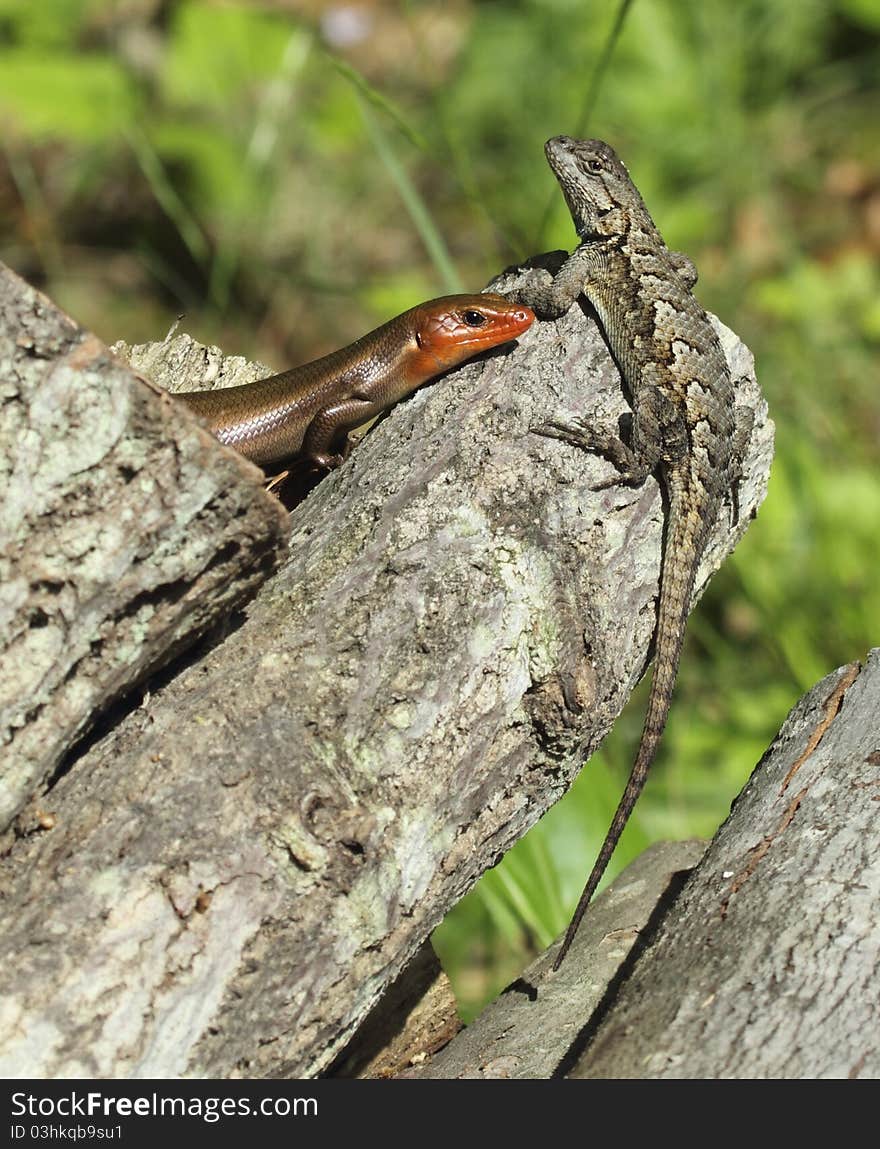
290	174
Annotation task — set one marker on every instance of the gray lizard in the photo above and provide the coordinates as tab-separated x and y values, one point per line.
686	425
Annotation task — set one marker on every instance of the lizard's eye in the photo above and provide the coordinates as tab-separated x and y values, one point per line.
595	166
474	318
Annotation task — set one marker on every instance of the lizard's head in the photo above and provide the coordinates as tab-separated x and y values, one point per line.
600	195
449	330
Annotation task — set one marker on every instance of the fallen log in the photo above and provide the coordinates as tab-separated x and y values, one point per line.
126	532
238	870
761	964
767	964
530	1029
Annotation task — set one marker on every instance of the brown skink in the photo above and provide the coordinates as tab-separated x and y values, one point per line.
307	412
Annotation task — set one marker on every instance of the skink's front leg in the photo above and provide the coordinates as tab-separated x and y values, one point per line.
329	427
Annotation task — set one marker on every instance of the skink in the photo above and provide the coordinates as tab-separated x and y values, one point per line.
307	412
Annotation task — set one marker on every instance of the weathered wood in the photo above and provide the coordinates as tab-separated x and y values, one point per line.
239	869
764	964
530	1029
179	363
767	964
415	1016
126	531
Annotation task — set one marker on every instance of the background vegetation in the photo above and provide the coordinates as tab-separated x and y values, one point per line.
289	174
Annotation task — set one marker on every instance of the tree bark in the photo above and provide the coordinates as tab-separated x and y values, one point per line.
530	1030
768	964
415	1016
763	963
238	870
126	531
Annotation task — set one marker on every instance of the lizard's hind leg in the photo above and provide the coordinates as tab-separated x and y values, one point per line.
632	466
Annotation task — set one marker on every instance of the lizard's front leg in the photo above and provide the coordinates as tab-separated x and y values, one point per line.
685	267
330	426
550	296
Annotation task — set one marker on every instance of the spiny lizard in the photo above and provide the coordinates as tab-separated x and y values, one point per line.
685	422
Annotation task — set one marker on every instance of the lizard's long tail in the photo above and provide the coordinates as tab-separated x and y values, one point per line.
684	546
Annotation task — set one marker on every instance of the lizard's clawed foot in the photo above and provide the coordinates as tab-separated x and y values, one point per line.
575	432
631	469
324	462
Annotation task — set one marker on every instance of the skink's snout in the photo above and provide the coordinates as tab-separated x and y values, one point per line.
505	314
452	329
522	317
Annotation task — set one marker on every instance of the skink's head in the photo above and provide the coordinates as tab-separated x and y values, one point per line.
449	330
596	187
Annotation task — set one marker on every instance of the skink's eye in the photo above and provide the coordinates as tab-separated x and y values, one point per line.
474	318
595	166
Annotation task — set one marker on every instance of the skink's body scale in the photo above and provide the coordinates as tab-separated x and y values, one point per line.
307	411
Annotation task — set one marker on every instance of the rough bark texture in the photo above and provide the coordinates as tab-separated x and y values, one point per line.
181	364
769	962
239	869
531	1028
764	964
125	532
415	1017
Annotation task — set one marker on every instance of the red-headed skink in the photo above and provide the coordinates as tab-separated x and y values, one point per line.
306	413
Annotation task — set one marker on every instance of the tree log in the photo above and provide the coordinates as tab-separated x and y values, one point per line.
126	532
415	1016
238	870
767	966
530	1029
762	964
